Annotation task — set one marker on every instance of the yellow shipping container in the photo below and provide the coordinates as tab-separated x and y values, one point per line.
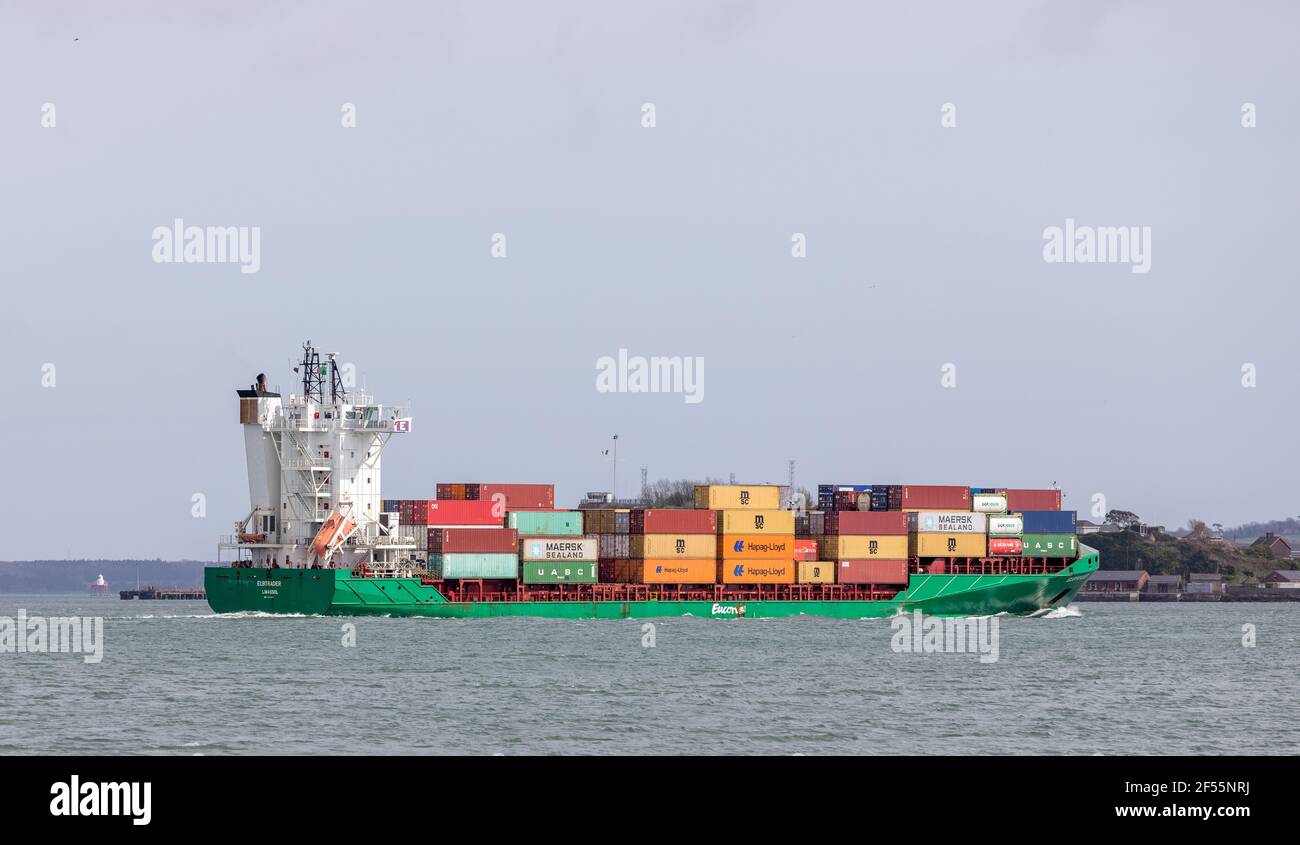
756	546
679	572
816	572
715	497
860	547
757	522
683	546
948	545
757	571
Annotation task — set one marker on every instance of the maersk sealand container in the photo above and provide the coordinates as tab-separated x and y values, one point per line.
1049	522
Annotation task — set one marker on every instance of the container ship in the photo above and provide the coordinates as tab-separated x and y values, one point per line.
320	539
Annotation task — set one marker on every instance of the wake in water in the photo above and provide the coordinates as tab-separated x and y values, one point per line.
1069	612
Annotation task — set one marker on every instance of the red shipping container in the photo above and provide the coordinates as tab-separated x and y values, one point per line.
458	512
1005	546
473	540
871	571
1033	500
669	521
805	550
519	497
935	497
873	523
413	511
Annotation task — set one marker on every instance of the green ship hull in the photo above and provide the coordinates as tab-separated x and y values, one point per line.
340	593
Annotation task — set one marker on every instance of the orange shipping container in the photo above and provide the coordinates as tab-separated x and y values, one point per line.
674	546
757	571
862	546
679	571
816	572
756	546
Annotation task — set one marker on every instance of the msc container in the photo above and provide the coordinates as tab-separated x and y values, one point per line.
668	521
615	546
935	497
1049	522
756	546
816	571
1033	500
734	496
872	571
805	549
673	546
948	522
699	571
861	546
519	496
1051	545
546	523
1006	525
559	548
459	512
874	523
491	540
988	502
554	572
474	565
756	571
1004	546
948	545
757	522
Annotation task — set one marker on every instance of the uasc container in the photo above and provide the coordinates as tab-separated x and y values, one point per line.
757	522
554	572
559	548
736	496
1051	545
672	546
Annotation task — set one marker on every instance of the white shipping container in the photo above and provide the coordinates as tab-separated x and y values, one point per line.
989	502
1006	526
559	548
948	522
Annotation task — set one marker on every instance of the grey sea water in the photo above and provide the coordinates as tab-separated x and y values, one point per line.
1102	679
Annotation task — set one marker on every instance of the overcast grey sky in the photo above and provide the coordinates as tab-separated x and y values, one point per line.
924	247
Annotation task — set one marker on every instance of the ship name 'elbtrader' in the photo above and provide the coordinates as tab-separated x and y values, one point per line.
319	539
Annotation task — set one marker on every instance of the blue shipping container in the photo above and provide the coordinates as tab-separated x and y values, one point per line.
1049	522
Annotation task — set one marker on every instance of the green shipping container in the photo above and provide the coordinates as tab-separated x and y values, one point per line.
546	523
468	565
1051	545
559	572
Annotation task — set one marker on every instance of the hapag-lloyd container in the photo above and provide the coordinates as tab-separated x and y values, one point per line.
668	521
486	540
1034	500
1051	545
756	546
736	496
1049	522
556	572
1006	525
988	502
948	545
757	522
673	546
756	571
1005	546
697	571
948	522
546	523
935	497
805	550
872	523
871	571
850	546
816	571
559	548
467	565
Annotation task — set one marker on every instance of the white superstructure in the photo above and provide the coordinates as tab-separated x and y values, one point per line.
314	464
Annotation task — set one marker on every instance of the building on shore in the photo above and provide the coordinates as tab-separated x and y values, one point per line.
1164	585
1205	582
1277	546
1116	581
1283	579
